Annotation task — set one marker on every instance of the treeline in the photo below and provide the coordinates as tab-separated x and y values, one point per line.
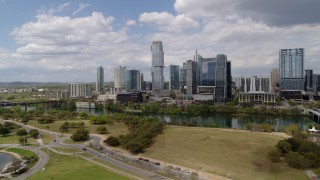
298	151
142	133
204	108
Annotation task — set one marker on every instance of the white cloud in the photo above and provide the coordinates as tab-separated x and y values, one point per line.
167	22
63	6
81	7
131	22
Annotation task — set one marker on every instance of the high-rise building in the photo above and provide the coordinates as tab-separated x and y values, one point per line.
133	80
220	93
316	84
291	69
309	80
275	80
182	78
120	77
173	77
255	84
80	90
157	65
191	77
143	83
100	80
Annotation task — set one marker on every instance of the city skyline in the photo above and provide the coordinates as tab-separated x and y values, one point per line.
64	41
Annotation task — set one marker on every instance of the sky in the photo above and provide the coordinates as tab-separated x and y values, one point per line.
65	41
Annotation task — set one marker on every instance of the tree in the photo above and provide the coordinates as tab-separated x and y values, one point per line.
80	134
102	130
283	146
4	130
292	129
112	141
23	140
274	156
21	132
296	160
64	127
34	133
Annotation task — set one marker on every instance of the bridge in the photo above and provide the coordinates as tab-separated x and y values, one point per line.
315	112
25	104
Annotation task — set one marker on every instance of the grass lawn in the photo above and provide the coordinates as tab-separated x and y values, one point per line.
70	141
86	155
9	139
66	150
46	139
116	129
240	154
23	153
72	167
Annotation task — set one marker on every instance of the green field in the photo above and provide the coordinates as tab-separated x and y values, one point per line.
233	153
72	167
9	139
66	150
23	153
116	129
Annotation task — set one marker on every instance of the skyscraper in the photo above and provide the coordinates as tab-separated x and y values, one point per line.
174	77
133	80
275	79
80	90
291	69
157	65
221	79
191	76
309	80
100	80
119	77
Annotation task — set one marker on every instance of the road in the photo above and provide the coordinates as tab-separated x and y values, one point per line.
96	140
43	159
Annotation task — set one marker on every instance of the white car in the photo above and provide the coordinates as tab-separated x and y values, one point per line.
103	155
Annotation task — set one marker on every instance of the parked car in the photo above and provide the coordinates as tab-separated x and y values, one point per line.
146	160
157	163
140	158
186	171
84	149
177	169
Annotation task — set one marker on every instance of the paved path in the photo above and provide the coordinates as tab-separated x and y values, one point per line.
311	175
43	159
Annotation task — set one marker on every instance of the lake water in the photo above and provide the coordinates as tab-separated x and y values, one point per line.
5	159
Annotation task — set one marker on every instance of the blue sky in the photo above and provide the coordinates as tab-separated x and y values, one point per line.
50	41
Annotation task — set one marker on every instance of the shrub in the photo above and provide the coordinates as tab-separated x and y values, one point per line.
274	156
283	147
296	160
112	141
80	134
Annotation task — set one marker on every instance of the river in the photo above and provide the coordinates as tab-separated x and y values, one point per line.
220	120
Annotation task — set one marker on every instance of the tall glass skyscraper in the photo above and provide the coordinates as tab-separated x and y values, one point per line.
100	80
291	69
157	65
133	80
119	77
174	77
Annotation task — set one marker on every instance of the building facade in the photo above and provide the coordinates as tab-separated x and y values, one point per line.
308	80
275	78
157	65
80	90
191	77
291	63
120	77
133	80
174	77
100	80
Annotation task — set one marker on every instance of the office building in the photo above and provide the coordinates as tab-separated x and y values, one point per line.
182	78
291	69
255	84
80	90
220	93
308	80
275	77
100	80
191	77
120	77
133	80
316	84
174	77
157	65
